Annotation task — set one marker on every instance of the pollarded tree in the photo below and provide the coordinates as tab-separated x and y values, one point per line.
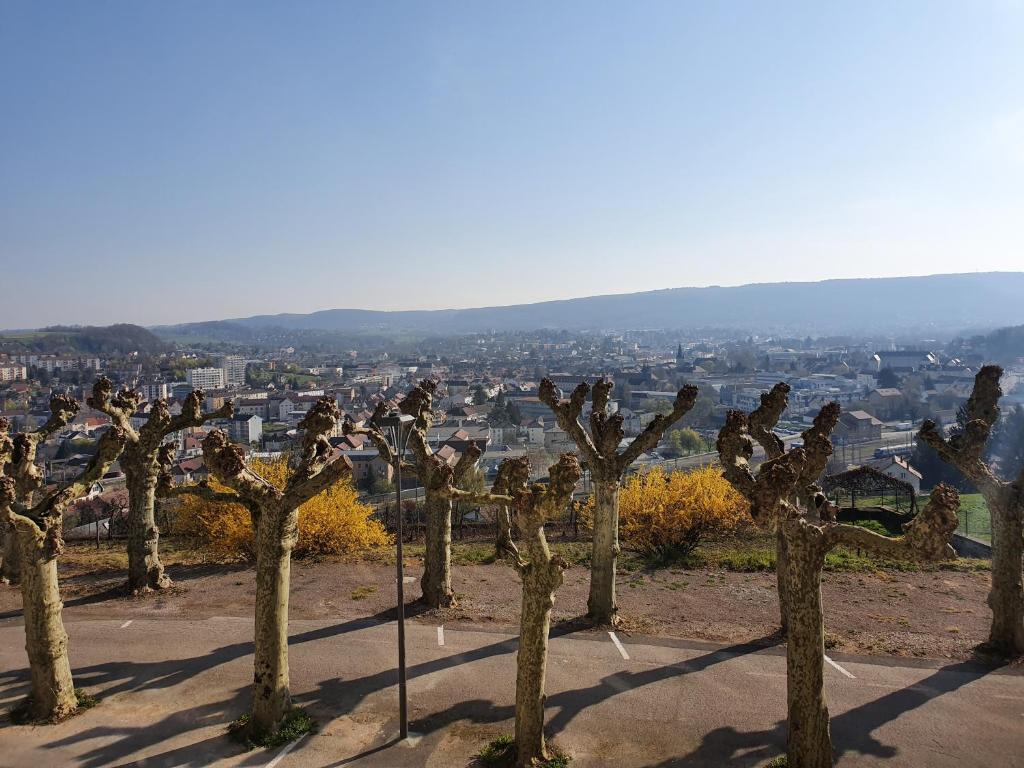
440	483
512	474
784	496
37	530
541	573
599	450
275	514
142	470
1005	500
18	461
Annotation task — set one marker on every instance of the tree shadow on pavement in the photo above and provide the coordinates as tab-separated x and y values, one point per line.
336	697
110	678
852	731
123	741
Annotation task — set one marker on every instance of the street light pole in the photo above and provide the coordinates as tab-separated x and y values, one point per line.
397	424
403	705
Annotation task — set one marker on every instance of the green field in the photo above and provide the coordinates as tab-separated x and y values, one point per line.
974	518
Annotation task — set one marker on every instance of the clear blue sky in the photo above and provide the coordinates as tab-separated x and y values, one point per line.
176	161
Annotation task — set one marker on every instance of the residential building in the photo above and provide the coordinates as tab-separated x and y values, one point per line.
205	378
857	427
245	429
233	367
13	372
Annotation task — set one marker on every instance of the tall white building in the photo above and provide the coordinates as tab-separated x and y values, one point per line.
205	378
153	392
234	370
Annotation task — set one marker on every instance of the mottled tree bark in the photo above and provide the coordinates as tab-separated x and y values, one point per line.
440	481
1005	501
276	536
762	421
599	450
141	467
512	474
808	738
541	573
10	564
601	601
275	513
1006	597
37	530
52	694
436	582
784	495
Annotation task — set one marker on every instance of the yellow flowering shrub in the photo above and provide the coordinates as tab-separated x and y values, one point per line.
334	522
668	514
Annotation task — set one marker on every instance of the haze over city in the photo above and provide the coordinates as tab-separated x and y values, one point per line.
410	156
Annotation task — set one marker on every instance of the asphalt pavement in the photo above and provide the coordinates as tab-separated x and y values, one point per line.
168	688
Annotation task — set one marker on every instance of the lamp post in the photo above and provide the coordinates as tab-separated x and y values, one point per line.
395	426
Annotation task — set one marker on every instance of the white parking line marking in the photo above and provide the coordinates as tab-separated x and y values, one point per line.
619	645
839	668
440	635
127	623
287	748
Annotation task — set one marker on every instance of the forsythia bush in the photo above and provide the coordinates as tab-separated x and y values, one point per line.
335	522
667	515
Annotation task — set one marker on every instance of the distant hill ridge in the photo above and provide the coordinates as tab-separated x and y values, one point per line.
949	303
118	339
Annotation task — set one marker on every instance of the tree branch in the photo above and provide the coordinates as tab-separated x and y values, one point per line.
46	514
763	419
226	462
926	537
648	439
567	414
120	407
965	450
466	462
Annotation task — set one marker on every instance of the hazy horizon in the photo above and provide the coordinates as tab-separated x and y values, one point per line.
174	163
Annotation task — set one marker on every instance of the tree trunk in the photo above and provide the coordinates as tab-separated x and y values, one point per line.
1006	597
605	550
145	571
504	542
809	744
437	560
10	565
52	696
532	660
276	532
781	566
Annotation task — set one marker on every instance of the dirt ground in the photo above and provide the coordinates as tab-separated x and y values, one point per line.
936	614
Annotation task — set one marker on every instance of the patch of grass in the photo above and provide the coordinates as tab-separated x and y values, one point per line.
501	753
874	526
295	723
779	762
361	593
85	700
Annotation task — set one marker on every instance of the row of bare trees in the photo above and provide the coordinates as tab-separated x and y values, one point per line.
783	493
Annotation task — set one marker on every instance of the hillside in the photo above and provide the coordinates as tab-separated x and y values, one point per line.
119	339
937	303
